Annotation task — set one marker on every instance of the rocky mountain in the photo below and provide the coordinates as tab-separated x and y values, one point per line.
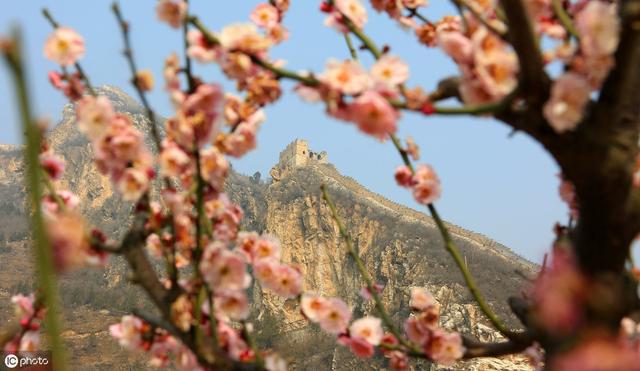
400	246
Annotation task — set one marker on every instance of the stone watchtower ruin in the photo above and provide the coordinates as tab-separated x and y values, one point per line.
297	154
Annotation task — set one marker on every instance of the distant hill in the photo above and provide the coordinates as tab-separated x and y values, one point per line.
400	246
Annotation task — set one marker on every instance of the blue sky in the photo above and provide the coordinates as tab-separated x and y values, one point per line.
502	186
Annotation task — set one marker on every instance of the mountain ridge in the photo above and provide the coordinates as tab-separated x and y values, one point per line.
400	246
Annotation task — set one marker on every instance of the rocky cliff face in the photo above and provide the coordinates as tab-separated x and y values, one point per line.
400	247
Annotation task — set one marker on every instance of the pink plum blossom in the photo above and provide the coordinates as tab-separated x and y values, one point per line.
224	269
421	299
182	312
172	12
286	281
495	65
50	206
71	84
173	160
426	185
30	341
245	243
53	165
336	317
133	183
233	304
265	15
455	44
129	332
412	149
226	216
243	138
23	305
243	37
94	115
154	245
353	10
428	318
559	293
201	110
415	332
274	362
444	348
213	167
358	346
398	361
313	306
598	353
347	77
69	243
64	46
373	114
403	176
569	95
200	49
267	246
367	328
599	27
390	71
231	341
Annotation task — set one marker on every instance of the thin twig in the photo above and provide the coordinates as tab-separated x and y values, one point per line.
352	50
534	82
468	278
213	322
310	80
501	33
453	251
364	273
251	341
187	61
128	53
83	75
53	193
474	349
564	18
413	12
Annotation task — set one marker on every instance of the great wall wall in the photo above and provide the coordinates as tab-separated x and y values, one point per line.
297	154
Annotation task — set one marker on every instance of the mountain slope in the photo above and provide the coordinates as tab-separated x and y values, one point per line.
400	247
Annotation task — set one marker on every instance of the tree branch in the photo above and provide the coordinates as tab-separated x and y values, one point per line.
364	273
83	75
476	349
128	53
534	82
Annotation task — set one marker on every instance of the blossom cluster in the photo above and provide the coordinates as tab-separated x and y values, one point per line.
602	352
71	244
118	146
333	315
488	65
422	328
424	183
364	334
30	314
363	97
559	294
136	334
588	61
